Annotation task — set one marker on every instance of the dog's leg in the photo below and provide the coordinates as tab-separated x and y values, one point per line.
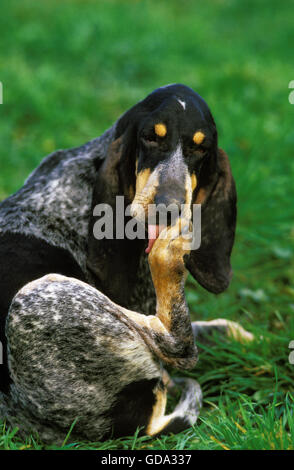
203	330
168	333
184	415
74	355
71	357
167	381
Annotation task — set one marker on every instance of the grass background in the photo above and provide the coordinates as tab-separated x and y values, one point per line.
70	68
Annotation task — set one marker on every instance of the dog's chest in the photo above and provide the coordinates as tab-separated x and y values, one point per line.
142	298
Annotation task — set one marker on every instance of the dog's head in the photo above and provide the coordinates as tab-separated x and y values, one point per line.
170	155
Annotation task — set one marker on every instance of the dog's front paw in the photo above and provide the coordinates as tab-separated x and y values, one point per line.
167	255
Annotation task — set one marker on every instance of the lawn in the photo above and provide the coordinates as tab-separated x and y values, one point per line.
70	68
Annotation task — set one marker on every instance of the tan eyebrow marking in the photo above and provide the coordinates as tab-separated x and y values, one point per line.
198	137
160	129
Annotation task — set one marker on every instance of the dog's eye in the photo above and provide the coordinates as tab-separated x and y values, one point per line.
197	153
149	142
200	152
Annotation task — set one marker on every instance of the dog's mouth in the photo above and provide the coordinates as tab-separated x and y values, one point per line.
153	233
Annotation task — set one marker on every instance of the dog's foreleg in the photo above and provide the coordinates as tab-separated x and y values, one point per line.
203	330
184	415
168	333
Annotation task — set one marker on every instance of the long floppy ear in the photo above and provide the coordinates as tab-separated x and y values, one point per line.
210	264
127	130
115	273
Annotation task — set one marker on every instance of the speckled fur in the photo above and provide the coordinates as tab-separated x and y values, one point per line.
70	356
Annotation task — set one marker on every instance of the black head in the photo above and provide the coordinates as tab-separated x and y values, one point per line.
168	136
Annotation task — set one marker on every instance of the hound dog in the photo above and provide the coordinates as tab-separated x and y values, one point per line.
87	323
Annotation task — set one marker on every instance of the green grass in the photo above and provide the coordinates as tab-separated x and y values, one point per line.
70	68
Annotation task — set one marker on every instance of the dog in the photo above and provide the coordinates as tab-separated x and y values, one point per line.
87	323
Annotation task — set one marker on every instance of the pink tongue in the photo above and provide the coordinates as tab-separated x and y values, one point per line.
153	233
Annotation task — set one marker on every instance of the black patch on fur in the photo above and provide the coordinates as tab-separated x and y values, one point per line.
133	407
